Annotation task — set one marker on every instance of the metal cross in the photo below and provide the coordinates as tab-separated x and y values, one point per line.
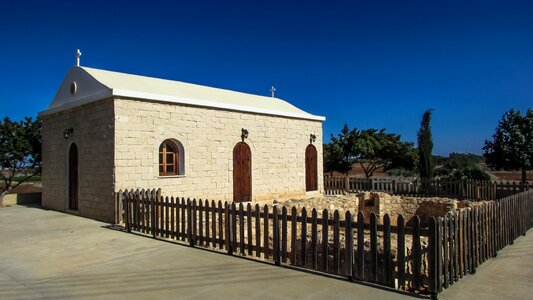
78	54
273	91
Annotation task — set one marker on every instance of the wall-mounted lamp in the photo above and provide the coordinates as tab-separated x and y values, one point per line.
244	134
67	132
312	138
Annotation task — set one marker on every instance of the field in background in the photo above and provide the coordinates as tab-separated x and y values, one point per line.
495	175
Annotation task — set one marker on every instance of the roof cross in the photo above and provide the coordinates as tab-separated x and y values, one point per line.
78	54
273	91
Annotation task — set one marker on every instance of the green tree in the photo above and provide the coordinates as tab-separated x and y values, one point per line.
512	144
462	160
20	152
460	166
336	153
372	149
334	160
425	147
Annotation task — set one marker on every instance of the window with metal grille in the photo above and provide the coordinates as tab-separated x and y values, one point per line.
168	158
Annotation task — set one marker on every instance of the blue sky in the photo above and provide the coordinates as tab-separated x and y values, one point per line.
366	63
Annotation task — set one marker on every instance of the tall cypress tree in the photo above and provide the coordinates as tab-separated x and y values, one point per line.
425	147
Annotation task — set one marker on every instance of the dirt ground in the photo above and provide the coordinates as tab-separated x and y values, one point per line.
25	188
511	176
497	175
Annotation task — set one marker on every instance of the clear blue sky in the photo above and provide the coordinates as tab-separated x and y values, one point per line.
366	63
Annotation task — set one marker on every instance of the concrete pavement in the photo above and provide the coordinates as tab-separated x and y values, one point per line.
50	255
507	276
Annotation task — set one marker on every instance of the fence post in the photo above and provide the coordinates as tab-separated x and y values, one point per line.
136	210
417	253
118	207
294	227
227	219
189	222
303	247
373	248
325	229
127	211
347	184
152	213
387	255
193	222
473	240
348	261
432	258
314	239
360	246
275	229
401	251
157	209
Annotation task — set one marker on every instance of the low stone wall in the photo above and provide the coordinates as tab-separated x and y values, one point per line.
425	208
26	193
24	198
380	204
342	203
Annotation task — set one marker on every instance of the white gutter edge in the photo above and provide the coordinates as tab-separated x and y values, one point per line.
77	102
177	100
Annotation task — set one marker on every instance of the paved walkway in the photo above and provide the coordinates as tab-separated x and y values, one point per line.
50	255
508	276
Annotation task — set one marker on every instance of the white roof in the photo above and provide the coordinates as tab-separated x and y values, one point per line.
93	85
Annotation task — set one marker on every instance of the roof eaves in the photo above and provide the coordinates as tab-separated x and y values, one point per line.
212	104
103	94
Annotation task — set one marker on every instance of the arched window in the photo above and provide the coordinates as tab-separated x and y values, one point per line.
169	158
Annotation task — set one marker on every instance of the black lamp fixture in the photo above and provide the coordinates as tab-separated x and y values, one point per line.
244	134
312	138
67	132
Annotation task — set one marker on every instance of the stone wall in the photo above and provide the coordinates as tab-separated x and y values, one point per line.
208	137
93	126
383	203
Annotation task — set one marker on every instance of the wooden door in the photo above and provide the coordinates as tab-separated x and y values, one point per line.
242	173
73	177
310	169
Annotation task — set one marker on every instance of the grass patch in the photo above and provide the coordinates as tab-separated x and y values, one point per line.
36	178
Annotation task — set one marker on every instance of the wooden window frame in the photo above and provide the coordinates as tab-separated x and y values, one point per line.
163	158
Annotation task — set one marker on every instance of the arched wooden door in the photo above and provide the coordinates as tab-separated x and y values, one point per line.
242	173
310	169
73	177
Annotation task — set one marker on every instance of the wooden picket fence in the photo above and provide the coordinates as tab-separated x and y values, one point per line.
459	189
276	235
415	258
461	241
